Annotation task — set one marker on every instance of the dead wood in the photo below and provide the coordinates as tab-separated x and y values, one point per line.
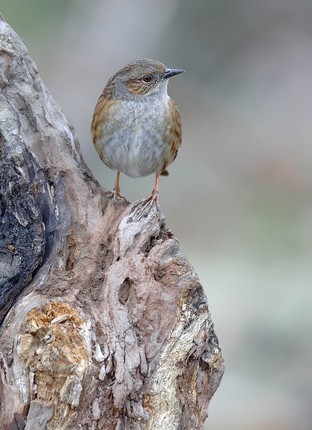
105	325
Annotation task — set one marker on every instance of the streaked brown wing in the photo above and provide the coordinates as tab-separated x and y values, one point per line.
173	134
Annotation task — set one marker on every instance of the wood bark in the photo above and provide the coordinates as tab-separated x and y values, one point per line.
105	325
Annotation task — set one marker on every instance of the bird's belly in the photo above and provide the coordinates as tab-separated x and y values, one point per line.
136	154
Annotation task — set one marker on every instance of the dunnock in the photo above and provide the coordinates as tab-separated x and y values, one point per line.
136	127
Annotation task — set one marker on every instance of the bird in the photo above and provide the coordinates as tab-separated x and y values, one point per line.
136	127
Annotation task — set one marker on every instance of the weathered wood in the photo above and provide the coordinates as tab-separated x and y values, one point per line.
105	324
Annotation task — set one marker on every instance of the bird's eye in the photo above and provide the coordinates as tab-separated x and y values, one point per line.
147	78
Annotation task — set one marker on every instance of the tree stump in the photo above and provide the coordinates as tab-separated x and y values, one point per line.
105	325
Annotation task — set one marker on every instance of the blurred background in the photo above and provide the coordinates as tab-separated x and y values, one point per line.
239	195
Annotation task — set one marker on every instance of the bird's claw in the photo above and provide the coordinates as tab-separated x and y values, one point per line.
144	207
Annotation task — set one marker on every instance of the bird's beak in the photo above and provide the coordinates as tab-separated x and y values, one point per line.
172	72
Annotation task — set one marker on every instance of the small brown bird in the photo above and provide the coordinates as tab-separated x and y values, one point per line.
136	127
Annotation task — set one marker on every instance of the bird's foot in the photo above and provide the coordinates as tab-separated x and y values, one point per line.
116	194
153	198
145	207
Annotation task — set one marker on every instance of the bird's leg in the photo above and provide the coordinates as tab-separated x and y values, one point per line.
154	196
144	206
116	190
149	201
